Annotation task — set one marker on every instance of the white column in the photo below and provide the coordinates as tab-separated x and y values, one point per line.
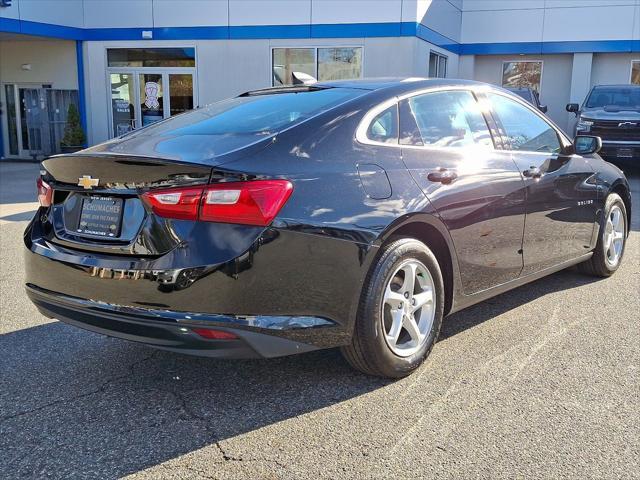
467	67
580	82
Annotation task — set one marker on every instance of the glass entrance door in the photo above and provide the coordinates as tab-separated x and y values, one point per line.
143	96
25	106
123	100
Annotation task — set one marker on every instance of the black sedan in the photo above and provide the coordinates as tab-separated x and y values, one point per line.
351	214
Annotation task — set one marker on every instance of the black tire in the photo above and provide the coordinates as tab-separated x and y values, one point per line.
369	351
598	265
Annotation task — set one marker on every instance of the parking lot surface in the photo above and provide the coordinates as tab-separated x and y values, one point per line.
541	382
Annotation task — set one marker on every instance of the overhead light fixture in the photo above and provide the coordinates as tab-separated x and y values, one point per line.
26	66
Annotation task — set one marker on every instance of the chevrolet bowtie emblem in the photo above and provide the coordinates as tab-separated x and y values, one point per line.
87	182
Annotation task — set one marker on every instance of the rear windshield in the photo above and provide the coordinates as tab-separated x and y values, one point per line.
255	114
615	97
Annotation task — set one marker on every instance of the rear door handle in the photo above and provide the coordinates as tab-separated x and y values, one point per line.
442	175
532	172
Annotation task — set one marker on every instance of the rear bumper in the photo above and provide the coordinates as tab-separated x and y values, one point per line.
290	292
167	330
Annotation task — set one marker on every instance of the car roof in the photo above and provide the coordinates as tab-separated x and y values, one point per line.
390	86
398	84
619	85
518	89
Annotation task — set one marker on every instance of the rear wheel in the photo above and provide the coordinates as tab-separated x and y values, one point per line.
400	311
611	240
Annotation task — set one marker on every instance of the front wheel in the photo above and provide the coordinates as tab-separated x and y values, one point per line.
611	240
400	311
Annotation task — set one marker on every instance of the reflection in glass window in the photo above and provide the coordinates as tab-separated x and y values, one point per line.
524	129
384	128
615	98
447	119
11	120
342	63
292	66
635	72
151	96
437	65
288	61
151	57
522	74
180	93
254	114
122	99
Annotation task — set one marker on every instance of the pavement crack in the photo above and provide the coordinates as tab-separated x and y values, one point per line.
103	386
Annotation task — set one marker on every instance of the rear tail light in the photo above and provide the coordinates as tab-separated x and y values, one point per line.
182	203
215	334
247	203
45	192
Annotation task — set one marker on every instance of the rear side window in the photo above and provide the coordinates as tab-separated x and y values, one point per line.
524	130
384	127
255	114
443	119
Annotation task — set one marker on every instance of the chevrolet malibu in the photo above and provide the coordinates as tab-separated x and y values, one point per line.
352	214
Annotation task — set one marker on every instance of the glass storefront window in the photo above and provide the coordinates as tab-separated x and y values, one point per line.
322	63
151	98
522	74
180	93
437	65
122	103
151	57
287	61
339	63
635	72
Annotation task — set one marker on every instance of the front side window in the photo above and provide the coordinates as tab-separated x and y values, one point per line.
635	72
524	130
292	66
522	74
384	127
444	119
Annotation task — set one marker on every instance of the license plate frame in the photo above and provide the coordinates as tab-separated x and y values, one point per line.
624	153
100	216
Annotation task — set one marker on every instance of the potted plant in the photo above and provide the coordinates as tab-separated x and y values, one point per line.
74	137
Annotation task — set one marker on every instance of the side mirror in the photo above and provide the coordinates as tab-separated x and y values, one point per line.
573	107
587	144
543	108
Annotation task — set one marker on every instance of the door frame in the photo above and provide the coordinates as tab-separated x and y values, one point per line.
22	152
135	72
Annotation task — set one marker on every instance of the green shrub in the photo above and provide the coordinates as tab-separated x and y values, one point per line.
73	133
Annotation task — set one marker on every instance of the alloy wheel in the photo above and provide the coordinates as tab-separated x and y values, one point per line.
408	308
613	241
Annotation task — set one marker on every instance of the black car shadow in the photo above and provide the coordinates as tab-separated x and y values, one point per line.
19	217
76	404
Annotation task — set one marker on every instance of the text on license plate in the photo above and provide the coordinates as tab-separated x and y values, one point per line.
101	216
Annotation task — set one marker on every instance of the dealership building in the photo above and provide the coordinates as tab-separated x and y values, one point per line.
127	63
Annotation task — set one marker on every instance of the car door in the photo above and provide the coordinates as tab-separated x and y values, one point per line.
476	189
561	188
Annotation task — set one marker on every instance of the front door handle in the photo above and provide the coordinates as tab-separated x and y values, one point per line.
442	175
532	172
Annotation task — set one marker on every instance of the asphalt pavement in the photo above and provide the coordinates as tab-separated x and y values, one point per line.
540	382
